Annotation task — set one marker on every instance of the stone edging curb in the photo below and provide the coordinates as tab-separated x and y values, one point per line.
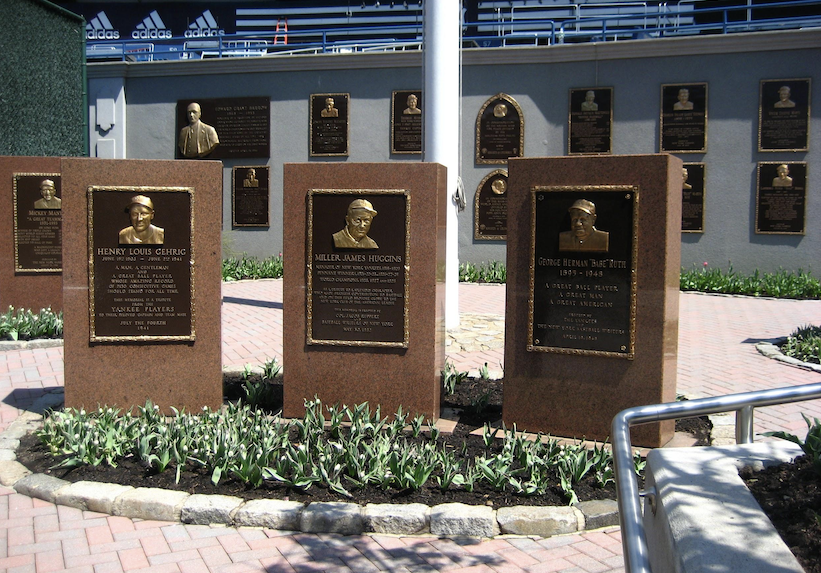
445	520
771	350
30	344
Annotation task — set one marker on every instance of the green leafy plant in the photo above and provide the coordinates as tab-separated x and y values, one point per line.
782	284
804	344
450	378
491	272
245	267
22	324
810	445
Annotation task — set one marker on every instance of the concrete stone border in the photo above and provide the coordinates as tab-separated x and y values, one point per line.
445	520
772	350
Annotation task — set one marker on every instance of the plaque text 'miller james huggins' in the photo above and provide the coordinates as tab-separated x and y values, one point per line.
583	283
38	241
141	291
358	267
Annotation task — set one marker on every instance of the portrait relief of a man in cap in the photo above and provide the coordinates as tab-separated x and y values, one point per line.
583	236
357	224
141	212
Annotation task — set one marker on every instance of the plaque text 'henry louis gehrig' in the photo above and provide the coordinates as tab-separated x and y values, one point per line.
141	264
358	275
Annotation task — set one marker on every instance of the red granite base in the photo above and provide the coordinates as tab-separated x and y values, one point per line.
389	377
578	395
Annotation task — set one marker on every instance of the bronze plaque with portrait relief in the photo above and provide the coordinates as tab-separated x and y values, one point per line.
38	227
590	121
500	130
583	270
226	128
358	267
784	115
692	198
683	124
781	198
490	207
141	264
329	125
406	122
250	196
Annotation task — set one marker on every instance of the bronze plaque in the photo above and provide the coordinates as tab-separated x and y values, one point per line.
250	196
500	130
226	128
141	264
590	121
781	198
358	267
784	115
692	198
490	207
330	127
406	122
583	270
683	126
38	223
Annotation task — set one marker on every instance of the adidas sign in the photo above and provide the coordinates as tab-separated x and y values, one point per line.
204	26
151	28
100	28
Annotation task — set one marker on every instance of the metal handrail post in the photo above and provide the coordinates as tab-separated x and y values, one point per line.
744	425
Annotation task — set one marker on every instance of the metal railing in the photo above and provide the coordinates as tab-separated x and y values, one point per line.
634	541
651	21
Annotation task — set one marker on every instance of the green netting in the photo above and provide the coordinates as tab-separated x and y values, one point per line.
42	111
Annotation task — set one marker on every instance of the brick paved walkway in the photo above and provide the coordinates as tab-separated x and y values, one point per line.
716	356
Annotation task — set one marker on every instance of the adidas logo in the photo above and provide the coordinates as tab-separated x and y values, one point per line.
100	28
151	27
204	27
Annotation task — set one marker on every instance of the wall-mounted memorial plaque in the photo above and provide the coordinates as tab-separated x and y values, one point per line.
225	128
590	120
692	197
583	270
330	127
406	121
683	124
38	242
500	130
141	278
358	275
250	194
784	115
490	207
781	198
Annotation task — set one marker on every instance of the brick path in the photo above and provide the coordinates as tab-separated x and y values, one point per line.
716	356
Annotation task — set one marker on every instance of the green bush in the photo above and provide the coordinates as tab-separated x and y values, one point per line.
804	344
491	272
22	324
245	267
783	284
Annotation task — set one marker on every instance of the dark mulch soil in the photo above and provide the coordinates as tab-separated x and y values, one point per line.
478	401
790	495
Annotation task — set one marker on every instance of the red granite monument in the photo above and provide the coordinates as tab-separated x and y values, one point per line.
364	285
30	234
142	283
592	292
